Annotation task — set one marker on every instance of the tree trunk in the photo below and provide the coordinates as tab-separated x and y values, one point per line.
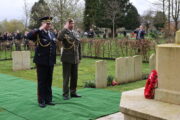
176	25
61	4
169	16
113	28
164	7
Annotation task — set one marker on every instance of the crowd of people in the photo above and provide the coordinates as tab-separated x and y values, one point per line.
21	42
18	39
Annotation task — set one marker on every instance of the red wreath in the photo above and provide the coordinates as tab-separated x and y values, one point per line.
151	84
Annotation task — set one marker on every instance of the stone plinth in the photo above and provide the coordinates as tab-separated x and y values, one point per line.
101	74
135	107
152	62
168	68
21	60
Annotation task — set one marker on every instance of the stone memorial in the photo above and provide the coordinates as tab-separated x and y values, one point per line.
101	74
152	62
21	60
128	69
166	105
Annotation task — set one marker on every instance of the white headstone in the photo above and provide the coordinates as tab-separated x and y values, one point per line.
21	60
130	69
121	69
152	62
17	60
137	67
101	74
26	62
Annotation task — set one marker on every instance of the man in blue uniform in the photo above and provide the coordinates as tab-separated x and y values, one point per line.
45	58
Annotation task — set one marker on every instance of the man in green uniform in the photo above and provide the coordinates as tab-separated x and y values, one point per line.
71	56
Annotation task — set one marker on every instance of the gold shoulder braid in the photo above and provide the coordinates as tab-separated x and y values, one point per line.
39	42
68	40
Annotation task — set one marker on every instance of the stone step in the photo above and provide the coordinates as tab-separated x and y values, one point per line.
135	107
116	116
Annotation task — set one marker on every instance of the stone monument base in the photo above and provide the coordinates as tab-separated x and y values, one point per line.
168	67
135	107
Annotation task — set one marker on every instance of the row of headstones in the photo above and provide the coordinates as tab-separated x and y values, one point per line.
127	69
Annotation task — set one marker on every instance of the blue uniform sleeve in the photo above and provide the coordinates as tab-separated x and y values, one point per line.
33	35
144	32
136	31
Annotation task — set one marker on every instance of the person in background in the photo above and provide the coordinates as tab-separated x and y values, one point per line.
18	40
26	41
91	33
140	33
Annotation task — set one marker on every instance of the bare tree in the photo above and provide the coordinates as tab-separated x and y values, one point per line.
169	15
26	13
63	9
171	8
112	11
175	9
161	5
147	19
113	8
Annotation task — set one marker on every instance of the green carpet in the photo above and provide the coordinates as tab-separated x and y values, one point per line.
18	101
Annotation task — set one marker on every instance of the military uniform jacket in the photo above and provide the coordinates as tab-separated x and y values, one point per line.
45	51
71	47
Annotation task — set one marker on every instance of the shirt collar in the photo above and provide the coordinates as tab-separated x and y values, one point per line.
46	31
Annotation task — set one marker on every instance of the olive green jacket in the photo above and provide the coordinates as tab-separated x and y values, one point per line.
71	47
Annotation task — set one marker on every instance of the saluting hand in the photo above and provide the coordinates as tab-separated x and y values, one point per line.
43	26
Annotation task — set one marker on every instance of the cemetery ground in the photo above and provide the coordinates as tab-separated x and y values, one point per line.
86	73
94	104
103	101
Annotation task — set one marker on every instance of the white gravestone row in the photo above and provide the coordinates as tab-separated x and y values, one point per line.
127	69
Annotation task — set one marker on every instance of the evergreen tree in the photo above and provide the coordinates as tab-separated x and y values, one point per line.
159	20
40	9
96	13
90	14
132	19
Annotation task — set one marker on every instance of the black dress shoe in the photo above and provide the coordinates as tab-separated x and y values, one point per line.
75	95
50	103
66	97
42	105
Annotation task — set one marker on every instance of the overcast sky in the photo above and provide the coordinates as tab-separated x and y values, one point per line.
13	9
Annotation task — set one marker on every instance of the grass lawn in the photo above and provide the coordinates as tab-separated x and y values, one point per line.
86	73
